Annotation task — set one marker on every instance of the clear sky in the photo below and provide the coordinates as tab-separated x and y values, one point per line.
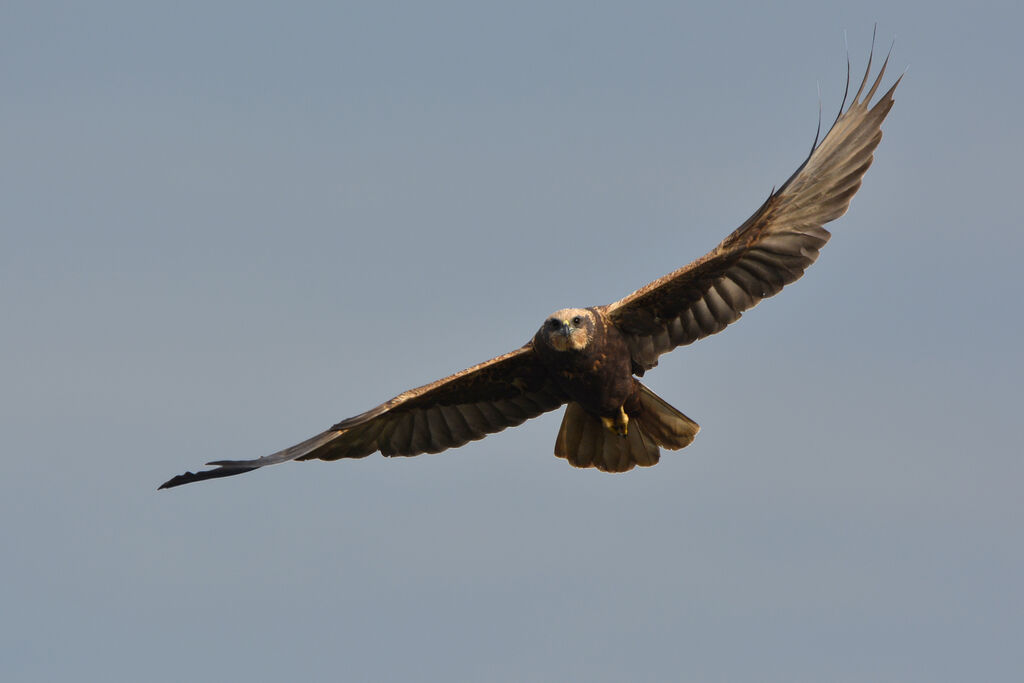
226	226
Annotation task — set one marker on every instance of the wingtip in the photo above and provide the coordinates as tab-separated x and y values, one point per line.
191	477
176	481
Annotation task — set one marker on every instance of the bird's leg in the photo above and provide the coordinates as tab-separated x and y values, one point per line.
618	424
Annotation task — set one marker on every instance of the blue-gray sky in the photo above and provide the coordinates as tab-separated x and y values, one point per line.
226	226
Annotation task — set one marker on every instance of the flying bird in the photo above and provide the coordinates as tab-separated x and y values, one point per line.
588	359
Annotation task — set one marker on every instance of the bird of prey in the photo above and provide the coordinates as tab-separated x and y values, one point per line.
589	358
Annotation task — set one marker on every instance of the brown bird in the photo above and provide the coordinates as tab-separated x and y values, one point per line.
588	357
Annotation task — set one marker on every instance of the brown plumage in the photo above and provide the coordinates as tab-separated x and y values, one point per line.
587	358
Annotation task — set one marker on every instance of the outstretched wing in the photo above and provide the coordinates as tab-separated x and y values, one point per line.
481	400
770	250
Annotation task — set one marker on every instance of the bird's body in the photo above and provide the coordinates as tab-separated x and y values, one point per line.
597	373
588	359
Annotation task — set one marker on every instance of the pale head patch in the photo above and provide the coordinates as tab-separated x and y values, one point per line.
570	329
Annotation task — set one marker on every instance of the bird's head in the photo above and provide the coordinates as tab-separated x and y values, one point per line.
570	329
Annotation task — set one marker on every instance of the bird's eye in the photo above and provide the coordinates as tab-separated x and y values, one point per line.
552	323
576	320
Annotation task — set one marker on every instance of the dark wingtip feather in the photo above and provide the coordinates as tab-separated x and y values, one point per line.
846	90
817	133
878	79
227	468
190	477
867	71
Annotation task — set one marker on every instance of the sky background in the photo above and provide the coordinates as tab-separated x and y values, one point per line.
226	226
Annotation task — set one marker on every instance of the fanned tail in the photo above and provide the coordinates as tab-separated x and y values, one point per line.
584	441
666	425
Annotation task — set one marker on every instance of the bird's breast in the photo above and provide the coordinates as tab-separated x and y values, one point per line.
599	381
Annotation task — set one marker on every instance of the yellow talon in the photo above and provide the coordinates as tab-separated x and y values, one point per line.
618	424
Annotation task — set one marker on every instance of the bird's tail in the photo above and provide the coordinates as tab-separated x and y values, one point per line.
584	440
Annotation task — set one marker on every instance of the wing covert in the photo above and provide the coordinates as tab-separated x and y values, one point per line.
484	399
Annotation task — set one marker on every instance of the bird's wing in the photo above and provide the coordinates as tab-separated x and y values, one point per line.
481	400
770	250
